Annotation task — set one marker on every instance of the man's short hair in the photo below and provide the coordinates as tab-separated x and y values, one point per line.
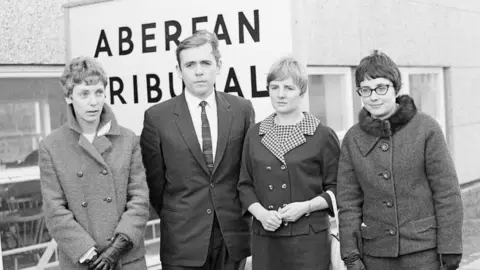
289	67
378	65
198	39
82	70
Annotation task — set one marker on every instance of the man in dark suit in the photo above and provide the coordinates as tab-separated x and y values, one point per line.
191	147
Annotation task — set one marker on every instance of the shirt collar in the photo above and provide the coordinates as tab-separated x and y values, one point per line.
194	102
307	126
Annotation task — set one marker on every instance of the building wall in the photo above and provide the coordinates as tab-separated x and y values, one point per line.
415	33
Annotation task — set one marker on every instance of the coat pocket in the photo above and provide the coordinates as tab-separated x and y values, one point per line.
371	232
425	224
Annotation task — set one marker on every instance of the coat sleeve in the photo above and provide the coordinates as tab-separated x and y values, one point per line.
350	201
153	161
70	236
445	188
329	160
133	221
245	186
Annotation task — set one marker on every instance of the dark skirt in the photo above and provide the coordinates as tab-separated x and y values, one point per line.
302	252
422	260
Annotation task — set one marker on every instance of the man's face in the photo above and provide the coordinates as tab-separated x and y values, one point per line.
198	69
87	101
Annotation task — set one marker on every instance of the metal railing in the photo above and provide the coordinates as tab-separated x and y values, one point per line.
153	263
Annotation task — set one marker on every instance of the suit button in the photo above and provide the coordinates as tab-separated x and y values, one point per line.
283	167
270	187
389	204
392	231
269	168
84	204
212	185
104	172
385	147
209	211
284	186
79	174
270	207
386	175
108	199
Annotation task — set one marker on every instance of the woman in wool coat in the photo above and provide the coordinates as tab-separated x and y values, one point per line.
95	195
289	163
398	192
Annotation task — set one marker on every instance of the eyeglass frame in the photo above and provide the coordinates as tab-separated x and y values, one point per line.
374	90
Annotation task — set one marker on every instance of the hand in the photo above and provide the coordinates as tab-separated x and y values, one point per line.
356	265
451	261
109	257
270	220
293	211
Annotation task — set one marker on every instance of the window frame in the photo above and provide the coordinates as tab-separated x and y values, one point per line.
16	175
342	71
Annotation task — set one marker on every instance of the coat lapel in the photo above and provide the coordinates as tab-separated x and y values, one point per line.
365	142
224	123
185	126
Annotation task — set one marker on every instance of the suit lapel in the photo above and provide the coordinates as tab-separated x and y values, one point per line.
224	114
185	126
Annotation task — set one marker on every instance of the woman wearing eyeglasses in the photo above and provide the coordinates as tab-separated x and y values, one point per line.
398	192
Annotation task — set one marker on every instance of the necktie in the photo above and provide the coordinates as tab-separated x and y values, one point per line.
206	139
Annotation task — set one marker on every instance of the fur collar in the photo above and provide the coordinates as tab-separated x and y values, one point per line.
384	128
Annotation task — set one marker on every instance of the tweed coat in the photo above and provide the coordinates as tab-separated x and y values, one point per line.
398	191
91	191
182	190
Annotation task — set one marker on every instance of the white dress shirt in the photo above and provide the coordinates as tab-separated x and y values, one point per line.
195	109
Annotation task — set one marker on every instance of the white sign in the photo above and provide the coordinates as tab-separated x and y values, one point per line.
136	40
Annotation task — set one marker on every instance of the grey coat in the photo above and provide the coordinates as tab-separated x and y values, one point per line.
398	191
93	191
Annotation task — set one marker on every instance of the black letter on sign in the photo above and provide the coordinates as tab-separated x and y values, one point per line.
172	36
243	22
236	87
170	81
122	40
116	92
253	77
197	20
100	48
135	90
146	37
221	23
155	87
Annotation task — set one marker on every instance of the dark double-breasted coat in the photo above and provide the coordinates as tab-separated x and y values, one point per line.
398	191
183	192
91	191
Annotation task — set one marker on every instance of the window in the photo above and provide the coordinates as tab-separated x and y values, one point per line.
426	87
330	97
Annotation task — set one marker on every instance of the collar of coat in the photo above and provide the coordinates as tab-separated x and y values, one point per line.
271	141
375	129
107	126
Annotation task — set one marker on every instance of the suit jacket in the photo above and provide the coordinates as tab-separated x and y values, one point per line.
300	170
93	191
183	192
397	178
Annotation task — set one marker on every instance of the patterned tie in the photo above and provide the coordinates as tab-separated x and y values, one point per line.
206	139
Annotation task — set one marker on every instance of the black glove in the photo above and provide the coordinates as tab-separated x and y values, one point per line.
354	263
451	261
109	257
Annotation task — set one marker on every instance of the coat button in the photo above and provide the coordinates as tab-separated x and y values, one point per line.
269	168
386	175
79	174
270	207
270	187
108	199
104	172
385	147
283	167
392	231
209	211
84	204
284	186
212	185
389	204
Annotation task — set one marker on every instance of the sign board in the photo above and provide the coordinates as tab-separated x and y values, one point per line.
135	41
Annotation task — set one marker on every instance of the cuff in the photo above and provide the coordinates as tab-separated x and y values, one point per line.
88	255
329	202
